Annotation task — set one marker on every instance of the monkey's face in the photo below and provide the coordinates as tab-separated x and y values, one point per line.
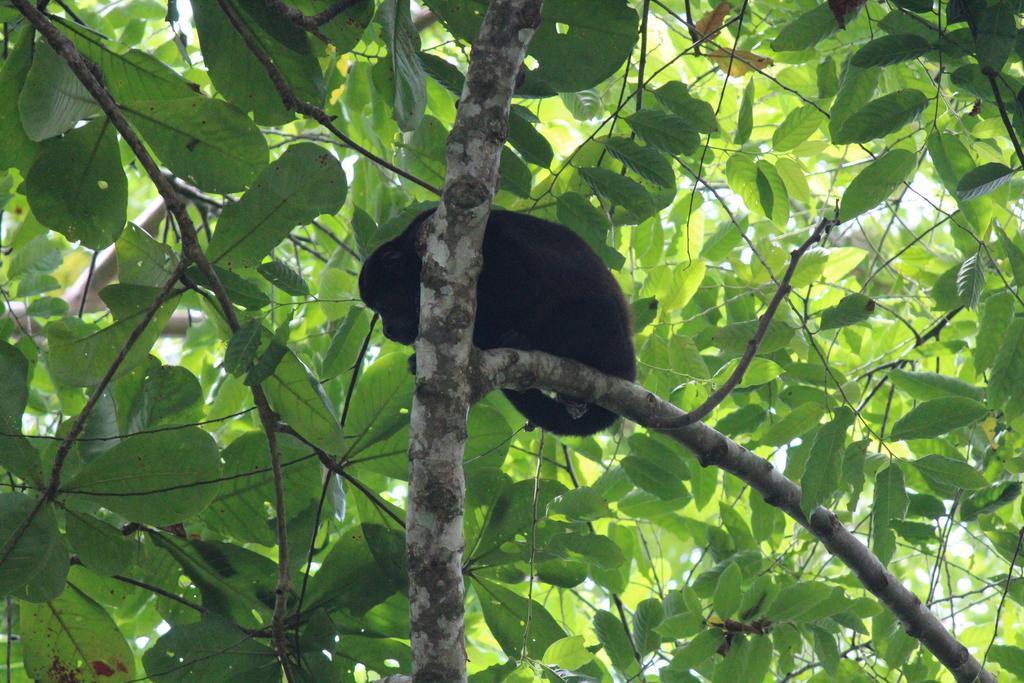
390	284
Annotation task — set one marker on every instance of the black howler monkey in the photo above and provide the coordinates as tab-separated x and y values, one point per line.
541	288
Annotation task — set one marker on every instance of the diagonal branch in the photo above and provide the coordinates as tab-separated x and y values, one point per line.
712	401
514	369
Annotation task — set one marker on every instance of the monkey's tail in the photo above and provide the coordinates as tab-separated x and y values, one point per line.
554	416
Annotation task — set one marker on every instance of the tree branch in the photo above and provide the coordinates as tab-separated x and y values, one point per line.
515	369
712	401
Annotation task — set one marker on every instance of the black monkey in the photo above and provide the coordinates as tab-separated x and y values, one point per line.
541	288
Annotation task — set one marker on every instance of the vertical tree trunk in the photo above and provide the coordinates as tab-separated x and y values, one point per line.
448	306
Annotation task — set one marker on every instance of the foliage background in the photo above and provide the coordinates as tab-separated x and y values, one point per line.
890	385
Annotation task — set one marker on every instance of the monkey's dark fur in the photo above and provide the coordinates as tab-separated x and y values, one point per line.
541	288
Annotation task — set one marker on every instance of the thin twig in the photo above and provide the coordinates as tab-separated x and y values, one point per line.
712	401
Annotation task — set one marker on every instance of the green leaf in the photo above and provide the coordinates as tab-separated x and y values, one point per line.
891	49
1010	657
890	503
305	182
646	162
33	555
823	473
856	86
74	635
676	97
283	277
167	391
183	654
950	471
611	633
242	347
52	99
650	477
996	315
527	140
80	354
505	613
667	132
970	280
798	125
514	174
728	591
648	615
1006	381
242	291
239	75
141	260
827	78
807	30
982	180
209	143
403	41
951	159
922	386
745	116
18	150
880	116
579	505
876	182
584	105
1015	255
996	33
989	500
296	395
590	223
155	478
937	417
851	309
77	187
577	45
619	190
698	651
100	546
568	653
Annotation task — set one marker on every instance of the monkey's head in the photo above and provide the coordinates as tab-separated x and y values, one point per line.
389	283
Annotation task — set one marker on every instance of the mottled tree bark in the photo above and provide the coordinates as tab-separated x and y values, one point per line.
451	263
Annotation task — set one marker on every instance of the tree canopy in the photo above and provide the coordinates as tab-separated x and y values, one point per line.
813	211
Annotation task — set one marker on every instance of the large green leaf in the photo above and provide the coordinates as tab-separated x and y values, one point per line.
36	556
822	478
798	125
77	187
183	654
305	182
407	75
17	150
807	30
668	132
890	49
890	503
880	116
937	417
79	354
876	182
300	400
240	76
209	143
52	99
578	44
155	478
75	636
